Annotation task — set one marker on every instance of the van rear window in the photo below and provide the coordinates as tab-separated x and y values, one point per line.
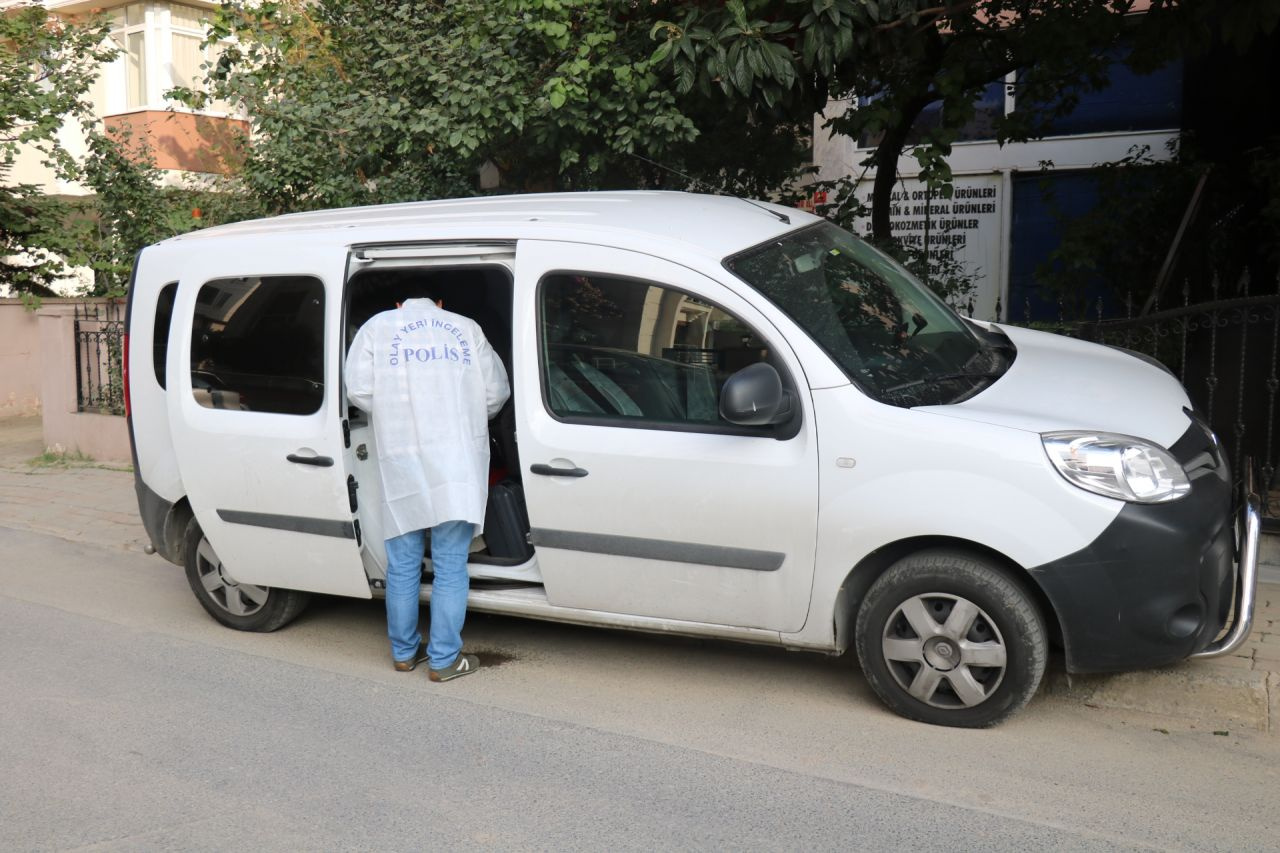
160	336
257	345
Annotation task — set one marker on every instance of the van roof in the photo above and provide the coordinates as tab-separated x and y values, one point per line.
715	225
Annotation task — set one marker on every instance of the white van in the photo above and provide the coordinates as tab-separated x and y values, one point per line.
729	419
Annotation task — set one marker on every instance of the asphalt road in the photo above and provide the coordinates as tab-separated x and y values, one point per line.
130	720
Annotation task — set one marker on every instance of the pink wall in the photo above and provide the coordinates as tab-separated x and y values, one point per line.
38	377
19	360
101	437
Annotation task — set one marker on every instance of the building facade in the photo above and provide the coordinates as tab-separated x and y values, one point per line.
1010	202
160	47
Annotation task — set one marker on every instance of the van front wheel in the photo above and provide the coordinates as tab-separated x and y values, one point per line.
948	639
237	605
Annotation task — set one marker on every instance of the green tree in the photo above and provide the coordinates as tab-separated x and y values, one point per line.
899	56
47	65
1133	250
131	208
357	101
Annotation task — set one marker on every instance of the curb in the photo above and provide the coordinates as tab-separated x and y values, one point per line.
1221	697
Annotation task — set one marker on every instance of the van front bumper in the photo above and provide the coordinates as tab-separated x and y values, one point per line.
1246	581
1157	586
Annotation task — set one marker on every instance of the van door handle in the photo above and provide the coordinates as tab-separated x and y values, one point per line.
318	461
541	468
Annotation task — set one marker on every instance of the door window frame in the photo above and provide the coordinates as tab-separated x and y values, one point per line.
355	414
782	432
325	362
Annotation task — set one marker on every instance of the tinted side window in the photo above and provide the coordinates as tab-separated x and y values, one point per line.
631	350
160	337
257	345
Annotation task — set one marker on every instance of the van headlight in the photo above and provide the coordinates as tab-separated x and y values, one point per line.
1117	466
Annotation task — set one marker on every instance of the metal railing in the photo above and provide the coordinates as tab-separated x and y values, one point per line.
99	331
1223	350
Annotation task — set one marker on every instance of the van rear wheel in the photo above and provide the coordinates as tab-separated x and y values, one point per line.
244	607
949	639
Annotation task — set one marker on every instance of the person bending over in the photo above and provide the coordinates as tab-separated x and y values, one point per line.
430	381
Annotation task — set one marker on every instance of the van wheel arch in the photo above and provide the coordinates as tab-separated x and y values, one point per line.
174	534
244	607
950	638
869	569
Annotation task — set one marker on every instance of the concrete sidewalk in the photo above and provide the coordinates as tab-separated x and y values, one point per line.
80	501
94	504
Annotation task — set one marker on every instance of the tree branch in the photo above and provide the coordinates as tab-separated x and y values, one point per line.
934	11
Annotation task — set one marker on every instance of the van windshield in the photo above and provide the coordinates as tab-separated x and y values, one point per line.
893	337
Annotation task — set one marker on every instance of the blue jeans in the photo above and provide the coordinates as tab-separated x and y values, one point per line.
450	542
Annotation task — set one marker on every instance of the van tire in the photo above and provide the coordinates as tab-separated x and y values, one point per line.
263	608
971	672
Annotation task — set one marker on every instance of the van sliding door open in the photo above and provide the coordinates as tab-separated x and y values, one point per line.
475	281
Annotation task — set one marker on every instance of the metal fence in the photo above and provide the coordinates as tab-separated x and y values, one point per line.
99	330
1223	350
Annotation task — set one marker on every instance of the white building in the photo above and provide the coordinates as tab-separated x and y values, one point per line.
1000	223
160	48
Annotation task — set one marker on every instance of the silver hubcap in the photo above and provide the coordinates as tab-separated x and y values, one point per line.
944	650
238	599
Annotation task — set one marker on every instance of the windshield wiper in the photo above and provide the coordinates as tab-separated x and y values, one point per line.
946	377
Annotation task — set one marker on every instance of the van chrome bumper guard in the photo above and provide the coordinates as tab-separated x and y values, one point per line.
1246	586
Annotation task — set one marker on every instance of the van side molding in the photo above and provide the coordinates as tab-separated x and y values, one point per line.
294	523
658	549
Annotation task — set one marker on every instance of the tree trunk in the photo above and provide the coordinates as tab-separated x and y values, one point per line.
916	93
887	154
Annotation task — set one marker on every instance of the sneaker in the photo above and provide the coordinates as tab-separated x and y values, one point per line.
412	663
462	665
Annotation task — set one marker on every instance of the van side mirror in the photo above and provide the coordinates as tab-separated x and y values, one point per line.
754	396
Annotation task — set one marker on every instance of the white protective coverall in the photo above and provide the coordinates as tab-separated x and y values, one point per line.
431	382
